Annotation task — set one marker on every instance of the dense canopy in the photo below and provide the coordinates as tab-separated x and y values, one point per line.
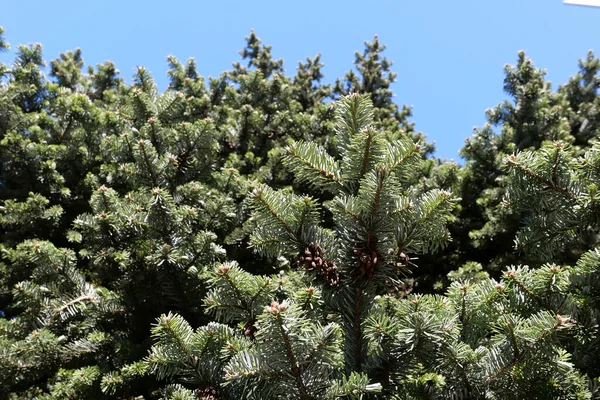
265	235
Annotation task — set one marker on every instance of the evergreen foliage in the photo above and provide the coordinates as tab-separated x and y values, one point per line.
528	332
536	116
245	237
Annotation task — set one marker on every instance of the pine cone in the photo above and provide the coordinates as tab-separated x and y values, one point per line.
367	260
330	273
312	259
207	393
250	329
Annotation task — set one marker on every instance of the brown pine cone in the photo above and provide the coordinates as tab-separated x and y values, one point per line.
311	258
207	393
330	273
250	329
367	261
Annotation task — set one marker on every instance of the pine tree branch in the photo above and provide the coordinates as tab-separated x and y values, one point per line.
148	164
58	311
365	159
512	275
358	297
589	164
551	282
174	99
531	293
308	298
206	346
80	299
237	292
153	139
302	220
103	190
415	150
296	372
192	146
293	154
310	357
210	304
503	370
129	147
258	372
259	196
354	112
463	310
399	211
126	116
443	198
183	346
264	242
463	373
521	355
379	189
513	341
66	130
259	292
555	168
340	206
511	161
525	288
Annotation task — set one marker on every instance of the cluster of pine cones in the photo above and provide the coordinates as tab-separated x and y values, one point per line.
208	393
367	260
312	259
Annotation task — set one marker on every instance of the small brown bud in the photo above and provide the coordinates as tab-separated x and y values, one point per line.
560	320
223	269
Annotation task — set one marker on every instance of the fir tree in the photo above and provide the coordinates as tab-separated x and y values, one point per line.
375	79
334	322
376	224
121	206
3	43
536	115
582	93
310	92
141	188
259	57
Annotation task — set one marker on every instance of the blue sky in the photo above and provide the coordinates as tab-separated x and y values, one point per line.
449	55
